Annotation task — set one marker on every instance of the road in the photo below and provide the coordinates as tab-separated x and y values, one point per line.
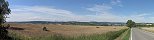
138	34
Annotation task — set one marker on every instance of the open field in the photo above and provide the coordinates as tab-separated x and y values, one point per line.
35	30
151	29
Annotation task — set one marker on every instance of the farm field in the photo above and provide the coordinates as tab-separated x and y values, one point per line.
151	29
36	30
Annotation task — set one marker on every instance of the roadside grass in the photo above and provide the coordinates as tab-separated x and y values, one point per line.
125	35
105	36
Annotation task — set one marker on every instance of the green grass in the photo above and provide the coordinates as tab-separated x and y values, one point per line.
124	36
127	36
106	36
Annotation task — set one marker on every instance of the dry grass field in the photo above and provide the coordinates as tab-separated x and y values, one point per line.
34	30
151	29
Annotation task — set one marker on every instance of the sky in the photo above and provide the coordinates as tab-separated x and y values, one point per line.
82	10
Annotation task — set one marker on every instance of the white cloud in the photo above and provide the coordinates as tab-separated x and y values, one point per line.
116	2
144	14
105	14
141	17
44	13
43	9
100	8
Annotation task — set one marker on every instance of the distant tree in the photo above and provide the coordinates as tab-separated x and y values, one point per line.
4	11
131	23
134	24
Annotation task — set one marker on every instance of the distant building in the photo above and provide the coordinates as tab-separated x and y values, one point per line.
148	24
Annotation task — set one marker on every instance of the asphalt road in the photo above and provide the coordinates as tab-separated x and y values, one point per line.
138	34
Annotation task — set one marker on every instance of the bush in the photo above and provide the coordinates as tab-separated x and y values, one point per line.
97	27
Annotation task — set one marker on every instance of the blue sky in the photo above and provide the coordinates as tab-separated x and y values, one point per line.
82	10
